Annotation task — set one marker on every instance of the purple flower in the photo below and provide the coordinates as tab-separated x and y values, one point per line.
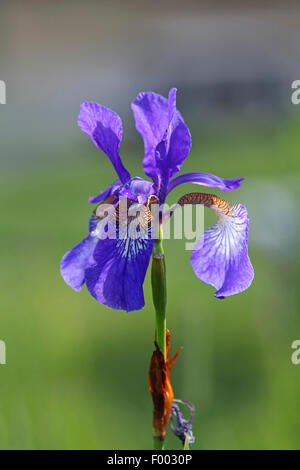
114	269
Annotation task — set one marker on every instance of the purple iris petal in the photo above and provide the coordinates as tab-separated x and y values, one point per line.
75	262
104	127
205	179
111	190
166	137
137	189
117	278
220	256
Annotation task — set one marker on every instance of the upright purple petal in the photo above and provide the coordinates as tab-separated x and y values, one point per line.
104	127
151	115
75	262
220	257
166	137
205	179
117	278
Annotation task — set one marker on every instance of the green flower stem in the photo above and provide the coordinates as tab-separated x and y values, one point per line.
159	294
158	444
159	291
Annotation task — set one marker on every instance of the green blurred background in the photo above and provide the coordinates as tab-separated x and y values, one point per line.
77	372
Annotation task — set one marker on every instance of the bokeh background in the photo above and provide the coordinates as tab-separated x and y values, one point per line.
76	372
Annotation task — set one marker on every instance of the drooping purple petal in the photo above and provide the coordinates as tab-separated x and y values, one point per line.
76	261
117	278
104	127
166	137
205	179
110	191
220	257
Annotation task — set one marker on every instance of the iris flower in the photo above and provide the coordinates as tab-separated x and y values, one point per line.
114	269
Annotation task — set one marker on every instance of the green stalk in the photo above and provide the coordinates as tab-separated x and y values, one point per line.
159	294
158	444
159	291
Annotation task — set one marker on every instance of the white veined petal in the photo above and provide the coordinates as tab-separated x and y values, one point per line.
220	257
